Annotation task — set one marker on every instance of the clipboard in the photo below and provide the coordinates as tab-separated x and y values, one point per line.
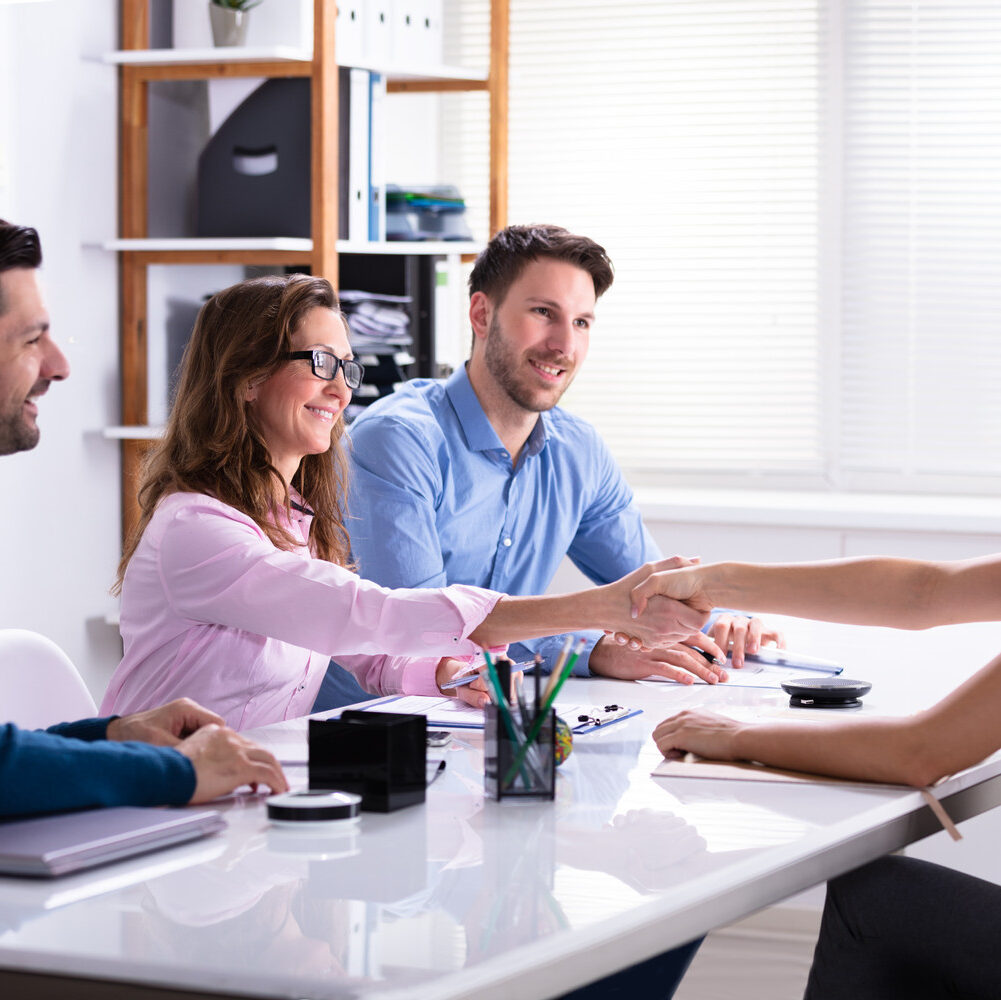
583	719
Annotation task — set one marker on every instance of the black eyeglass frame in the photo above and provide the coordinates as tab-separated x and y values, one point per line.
354	371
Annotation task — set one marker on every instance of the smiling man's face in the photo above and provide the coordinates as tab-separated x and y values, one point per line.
539	334
29	358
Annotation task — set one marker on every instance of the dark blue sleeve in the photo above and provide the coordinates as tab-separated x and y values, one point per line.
48	772
84	729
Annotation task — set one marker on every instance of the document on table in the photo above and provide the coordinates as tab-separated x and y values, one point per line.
692	766
444	713
768	668
450	713
699	767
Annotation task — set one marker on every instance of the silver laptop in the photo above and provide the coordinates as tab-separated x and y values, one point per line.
68	842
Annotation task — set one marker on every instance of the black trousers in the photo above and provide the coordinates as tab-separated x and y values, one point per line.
655	979
903	928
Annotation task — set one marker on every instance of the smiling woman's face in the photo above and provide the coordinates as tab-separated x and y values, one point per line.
293	409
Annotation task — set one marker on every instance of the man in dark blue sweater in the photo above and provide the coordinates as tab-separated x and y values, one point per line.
171	755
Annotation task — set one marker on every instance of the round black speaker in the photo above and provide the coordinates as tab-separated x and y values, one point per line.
825	692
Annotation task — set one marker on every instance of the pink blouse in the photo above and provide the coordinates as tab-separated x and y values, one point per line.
211	610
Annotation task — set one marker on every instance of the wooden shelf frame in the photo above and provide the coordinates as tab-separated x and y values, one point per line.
138	70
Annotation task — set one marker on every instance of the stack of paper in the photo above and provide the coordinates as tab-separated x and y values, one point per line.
379	323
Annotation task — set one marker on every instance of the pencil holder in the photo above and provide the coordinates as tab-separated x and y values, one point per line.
510	770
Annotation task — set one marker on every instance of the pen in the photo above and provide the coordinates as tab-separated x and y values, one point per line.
469	676
457	682
720	661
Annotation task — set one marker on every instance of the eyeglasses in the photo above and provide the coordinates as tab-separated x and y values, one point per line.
325	365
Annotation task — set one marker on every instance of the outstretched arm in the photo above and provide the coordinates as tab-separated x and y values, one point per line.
901	593
609	608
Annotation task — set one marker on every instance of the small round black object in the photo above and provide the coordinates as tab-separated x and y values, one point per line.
825	692
312	806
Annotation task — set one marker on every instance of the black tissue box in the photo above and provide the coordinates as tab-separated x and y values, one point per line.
381	756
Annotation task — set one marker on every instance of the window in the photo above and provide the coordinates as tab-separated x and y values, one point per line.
802	199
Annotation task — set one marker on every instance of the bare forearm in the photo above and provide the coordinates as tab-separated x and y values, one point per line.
882	750
515	618
900	593
956	733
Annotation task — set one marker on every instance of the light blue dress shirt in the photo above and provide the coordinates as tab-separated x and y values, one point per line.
434	500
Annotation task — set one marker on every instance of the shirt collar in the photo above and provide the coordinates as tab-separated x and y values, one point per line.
479	432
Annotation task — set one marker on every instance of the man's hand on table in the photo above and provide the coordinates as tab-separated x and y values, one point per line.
679	662
164	726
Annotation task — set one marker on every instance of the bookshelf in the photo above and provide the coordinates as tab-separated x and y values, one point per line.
140	66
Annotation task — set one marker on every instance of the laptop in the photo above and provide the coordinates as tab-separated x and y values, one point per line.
68	842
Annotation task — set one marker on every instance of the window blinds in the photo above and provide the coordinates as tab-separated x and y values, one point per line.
921	377
802	201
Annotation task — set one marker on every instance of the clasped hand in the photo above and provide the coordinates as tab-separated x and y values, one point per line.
660	620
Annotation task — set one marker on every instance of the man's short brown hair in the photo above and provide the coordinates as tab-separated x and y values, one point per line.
499	265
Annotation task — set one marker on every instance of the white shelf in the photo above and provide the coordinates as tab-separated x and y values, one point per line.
402	72
283	53
134	433
213	243
405	248
157	57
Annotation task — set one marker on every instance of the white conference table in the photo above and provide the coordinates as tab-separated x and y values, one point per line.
465	897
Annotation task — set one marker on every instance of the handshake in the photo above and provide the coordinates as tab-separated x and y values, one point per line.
665	602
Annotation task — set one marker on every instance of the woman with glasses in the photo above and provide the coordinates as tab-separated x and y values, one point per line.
236	586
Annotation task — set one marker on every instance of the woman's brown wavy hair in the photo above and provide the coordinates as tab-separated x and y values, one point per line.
242	336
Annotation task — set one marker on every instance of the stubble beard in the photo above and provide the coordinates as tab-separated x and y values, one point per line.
15	435
16	432
503	365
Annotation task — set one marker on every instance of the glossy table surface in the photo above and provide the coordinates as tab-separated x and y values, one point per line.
463	896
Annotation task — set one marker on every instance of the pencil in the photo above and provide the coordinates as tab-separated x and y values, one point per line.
558	667
538	671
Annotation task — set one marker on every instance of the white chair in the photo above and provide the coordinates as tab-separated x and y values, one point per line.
39	685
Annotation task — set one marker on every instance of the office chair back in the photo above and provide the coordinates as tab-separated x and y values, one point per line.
39	685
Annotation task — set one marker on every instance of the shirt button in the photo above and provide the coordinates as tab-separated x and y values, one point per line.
507	543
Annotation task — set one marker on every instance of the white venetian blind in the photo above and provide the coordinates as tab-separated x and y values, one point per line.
683	137
803	202
921	384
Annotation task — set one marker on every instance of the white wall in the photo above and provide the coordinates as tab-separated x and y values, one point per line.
59	505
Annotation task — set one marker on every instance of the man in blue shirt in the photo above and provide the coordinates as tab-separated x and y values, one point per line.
483	479
171	755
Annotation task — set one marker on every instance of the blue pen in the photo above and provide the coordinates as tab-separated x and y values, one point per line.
463	679
458	682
